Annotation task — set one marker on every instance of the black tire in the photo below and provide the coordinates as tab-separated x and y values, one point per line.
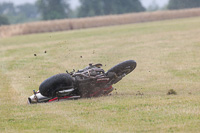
122	69
58	82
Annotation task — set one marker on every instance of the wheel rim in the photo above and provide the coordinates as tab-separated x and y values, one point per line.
126	71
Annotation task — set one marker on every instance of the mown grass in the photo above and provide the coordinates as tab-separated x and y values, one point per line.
167	53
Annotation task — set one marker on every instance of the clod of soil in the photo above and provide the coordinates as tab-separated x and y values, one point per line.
35	54
139	93
171	92
45	51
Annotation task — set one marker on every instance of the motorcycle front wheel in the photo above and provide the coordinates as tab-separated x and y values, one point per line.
122	69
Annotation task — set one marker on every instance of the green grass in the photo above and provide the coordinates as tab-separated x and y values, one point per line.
168	57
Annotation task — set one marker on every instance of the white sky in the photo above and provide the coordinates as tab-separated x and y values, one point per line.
160	3
75	3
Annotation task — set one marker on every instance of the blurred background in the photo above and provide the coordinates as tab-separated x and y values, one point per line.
22	11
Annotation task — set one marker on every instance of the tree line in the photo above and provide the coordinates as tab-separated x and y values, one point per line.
60	9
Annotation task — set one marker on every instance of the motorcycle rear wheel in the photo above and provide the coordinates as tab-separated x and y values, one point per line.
56	83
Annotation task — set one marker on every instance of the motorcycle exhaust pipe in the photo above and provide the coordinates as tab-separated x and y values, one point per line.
37	98
32	100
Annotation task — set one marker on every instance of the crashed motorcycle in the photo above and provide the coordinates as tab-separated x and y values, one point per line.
89	82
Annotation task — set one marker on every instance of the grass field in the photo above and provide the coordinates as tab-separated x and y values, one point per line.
168	57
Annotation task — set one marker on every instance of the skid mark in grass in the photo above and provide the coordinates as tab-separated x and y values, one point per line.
6	91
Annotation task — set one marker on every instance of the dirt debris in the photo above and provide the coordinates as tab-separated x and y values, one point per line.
171	92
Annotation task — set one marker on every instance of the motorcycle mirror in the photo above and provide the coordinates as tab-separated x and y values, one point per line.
34	93
98	65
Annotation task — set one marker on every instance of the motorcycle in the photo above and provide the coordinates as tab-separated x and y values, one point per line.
89	82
